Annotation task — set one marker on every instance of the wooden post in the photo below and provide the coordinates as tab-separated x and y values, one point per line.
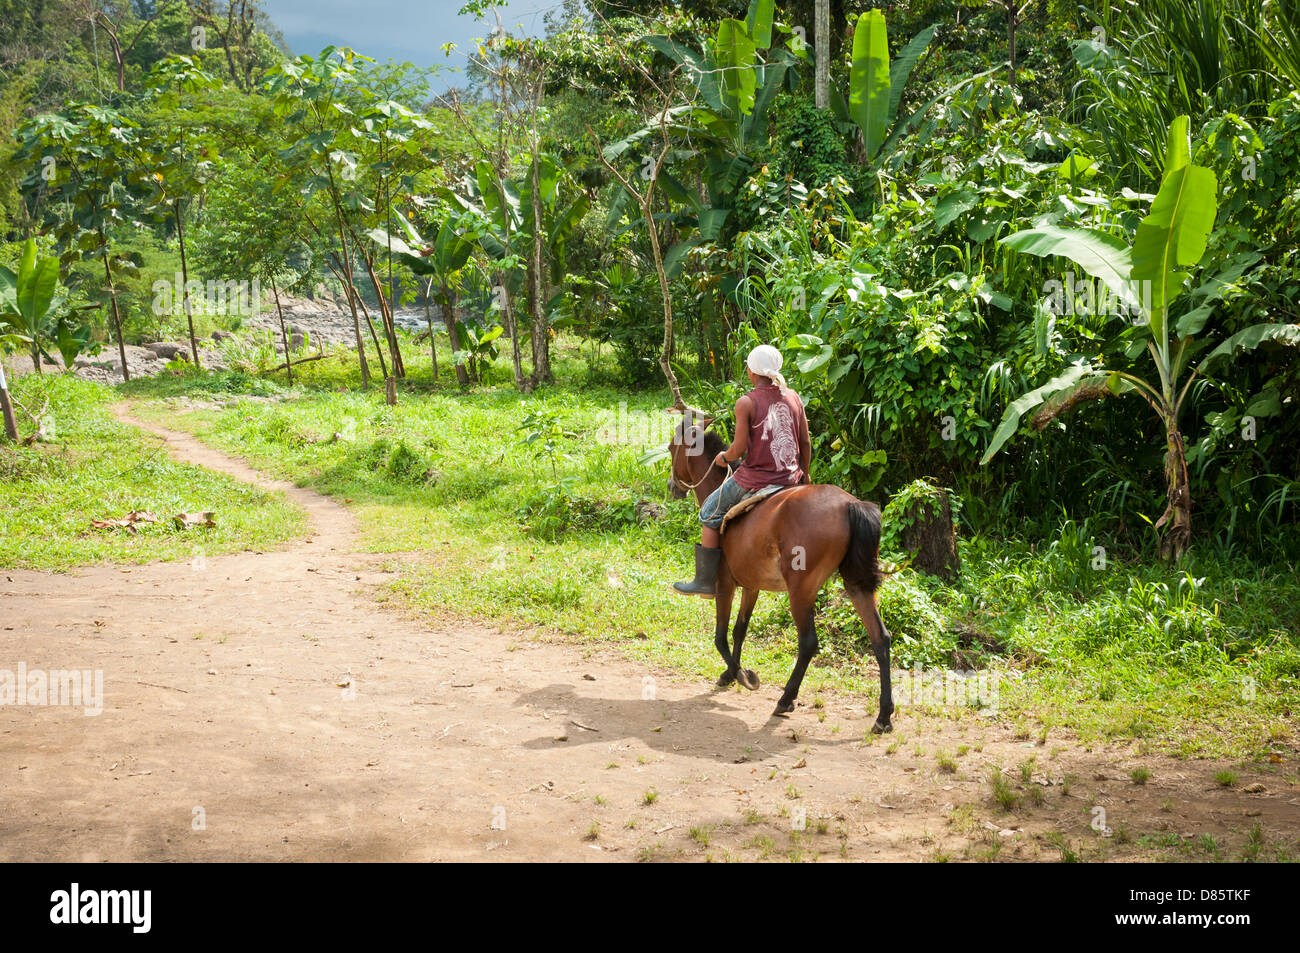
390	391
11	425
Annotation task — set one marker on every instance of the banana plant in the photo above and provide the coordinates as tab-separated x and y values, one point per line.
1148	276
562	209
877	84
32	312
503	220
441	260
736	79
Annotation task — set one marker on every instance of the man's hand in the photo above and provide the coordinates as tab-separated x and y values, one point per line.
721	459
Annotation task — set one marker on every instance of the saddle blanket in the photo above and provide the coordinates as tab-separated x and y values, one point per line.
748	503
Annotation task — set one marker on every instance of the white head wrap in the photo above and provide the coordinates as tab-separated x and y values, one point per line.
766	361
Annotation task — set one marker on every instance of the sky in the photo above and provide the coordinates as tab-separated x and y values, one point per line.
401	30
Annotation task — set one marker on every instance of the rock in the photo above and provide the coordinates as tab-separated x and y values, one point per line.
168	351
221	335
296	341
106	367
647	510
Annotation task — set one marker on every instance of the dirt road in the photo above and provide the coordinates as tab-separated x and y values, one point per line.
262	706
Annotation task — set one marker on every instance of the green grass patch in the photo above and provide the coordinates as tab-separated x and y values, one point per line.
94	467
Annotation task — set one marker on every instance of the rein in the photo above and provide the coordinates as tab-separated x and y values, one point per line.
691	486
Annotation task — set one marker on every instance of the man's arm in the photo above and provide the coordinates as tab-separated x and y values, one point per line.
744	409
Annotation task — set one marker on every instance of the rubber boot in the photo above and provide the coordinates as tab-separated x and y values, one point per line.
706	573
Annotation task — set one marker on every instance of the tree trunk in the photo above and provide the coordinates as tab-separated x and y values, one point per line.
453	334
541	340
822	78
345	275
7	408
1178	513
386	315
117	317
284	334
447	300
428	319
185	278
374	336
512	328
1012	17
36	357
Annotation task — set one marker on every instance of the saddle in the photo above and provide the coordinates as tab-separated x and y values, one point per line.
748	503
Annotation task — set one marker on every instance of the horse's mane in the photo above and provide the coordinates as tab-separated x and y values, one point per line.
713	444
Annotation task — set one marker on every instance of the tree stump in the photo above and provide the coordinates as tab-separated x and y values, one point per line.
930	535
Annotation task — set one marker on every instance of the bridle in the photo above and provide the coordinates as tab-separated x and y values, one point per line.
672	474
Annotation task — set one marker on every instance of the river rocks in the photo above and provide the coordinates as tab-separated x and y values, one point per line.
149	361
326	320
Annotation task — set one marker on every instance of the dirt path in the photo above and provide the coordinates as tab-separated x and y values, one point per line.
261	706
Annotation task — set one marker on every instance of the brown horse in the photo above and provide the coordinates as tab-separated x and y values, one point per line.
792	543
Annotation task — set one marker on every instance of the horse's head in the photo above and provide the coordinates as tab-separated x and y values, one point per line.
686	452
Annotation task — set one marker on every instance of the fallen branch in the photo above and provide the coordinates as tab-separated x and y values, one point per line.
304	360
170	688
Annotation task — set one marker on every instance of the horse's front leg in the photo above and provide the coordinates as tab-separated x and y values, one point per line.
748	678
726	590
802	608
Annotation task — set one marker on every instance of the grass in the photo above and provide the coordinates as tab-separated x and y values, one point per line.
1003	794
582	542
96	468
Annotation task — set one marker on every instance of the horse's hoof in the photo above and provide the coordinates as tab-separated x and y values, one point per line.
725	679
879	729
748	678
783	708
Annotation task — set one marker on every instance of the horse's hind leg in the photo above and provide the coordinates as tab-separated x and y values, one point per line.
747	677
802	609
869	612
726	589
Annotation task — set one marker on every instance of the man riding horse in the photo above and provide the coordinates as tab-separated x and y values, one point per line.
791	542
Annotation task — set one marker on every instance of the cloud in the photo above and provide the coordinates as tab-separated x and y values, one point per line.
397	29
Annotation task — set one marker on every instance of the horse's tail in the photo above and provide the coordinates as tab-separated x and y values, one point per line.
859	566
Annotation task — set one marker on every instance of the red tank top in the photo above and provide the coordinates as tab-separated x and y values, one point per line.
775	425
